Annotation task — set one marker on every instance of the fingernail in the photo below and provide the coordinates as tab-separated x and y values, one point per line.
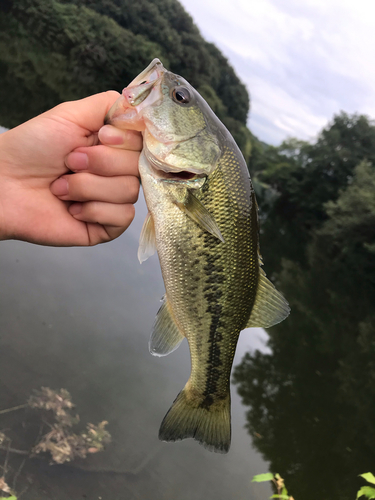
75	209
60	187
77	161
110	135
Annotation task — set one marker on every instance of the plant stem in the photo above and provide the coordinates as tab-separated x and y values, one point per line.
7	410
14	450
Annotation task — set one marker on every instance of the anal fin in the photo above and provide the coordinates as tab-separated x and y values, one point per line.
270	306
166	336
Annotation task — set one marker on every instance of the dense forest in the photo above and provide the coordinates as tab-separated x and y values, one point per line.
312	400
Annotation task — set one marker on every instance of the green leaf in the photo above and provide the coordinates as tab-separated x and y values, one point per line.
282	497
366	491
370	478
260	478
8	498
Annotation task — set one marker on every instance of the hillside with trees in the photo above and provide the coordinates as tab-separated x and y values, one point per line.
52	51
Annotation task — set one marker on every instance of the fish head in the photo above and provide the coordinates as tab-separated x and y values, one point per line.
180	131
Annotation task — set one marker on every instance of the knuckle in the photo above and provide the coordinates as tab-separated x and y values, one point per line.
129	214
133	188
112	94
93	211
80	186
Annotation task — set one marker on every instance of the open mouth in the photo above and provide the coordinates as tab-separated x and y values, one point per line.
178	176
183	176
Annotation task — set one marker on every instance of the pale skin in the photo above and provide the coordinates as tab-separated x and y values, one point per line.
67	180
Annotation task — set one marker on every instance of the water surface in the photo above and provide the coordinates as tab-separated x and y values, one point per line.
80	318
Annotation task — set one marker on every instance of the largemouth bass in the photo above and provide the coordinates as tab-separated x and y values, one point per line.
203	222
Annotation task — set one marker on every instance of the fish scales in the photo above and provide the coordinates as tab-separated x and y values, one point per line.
203	222
196	264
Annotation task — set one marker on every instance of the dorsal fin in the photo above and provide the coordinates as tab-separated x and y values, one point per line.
270	307
147	240
166	336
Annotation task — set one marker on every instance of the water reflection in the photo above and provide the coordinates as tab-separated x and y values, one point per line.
80	319
312	399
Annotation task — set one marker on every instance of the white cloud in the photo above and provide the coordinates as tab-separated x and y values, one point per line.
301	61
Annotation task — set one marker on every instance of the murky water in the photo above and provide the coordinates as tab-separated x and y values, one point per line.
80	319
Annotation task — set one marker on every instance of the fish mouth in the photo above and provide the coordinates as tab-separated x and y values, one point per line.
184	175
147	75
142	91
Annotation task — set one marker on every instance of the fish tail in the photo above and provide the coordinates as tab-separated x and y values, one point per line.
202	418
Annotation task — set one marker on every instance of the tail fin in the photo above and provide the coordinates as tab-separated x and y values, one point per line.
209	424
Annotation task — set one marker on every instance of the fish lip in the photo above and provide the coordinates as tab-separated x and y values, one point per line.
140	88
155	64
125	108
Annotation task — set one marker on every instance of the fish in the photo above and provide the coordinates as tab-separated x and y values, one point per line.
203	222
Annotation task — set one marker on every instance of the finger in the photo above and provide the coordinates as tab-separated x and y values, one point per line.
125	139
90	187
103	160
117	217
89	112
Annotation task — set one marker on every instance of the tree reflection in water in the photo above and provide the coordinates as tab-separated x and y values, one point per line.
312	401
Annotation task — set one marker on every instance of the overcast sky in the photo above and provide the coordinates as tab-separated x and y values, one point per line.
301	60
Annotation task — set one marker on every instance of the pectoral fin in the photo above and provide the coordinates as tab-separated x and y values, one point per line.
166	336
147	240
199	214
270	306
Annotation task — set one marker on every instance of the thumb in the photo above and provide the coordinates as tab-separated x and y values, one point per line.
89	113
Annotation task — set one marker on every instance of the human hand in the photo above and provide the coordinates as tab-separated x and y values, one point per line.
42	201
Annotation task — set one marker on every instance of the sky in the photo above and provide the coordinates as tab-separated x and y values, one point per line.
302	61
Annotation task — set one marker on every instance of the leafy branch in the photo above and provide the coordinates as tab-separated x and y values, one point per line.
282	492
367	491
278	482
60	441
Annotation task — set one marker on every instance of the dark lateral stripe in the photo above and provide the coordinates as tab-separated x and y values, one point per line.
212	293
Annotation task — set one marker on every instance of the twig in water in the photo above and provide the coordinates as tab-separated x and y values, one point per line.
14	450
14	408
18	473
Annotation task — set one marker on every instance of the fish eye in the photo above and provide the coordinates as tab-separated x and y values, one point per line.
181	95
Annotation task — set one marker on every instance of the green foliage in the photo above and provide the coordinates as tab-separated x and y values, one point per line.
282	492
166	23
348	234
367	491
369	477
278	483
57	50
303	178
261	478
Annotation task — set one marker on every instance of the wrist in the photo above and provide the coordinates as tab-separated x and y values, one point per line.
4	189
3	232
